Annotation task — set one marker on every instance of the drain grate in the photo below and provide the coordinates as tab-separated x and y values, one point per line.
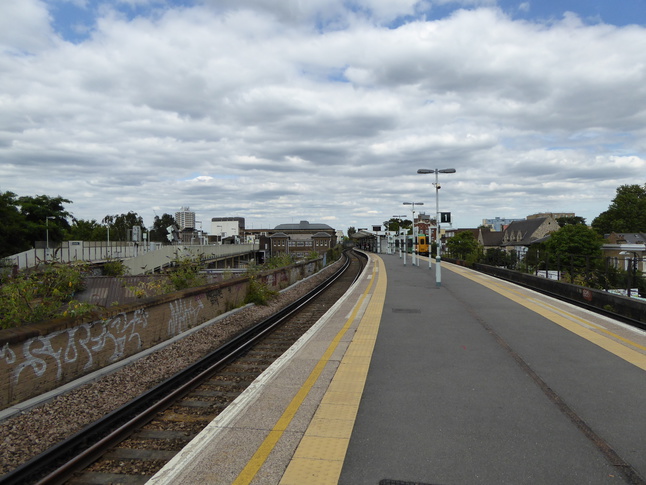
406	310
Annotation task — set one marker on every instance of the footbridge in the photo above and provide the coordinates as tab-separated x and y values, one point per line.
138	258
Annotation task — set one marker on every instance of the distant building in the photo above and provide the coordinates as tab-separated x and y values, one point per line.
185	218
226	228
519	235
626	250
498	223
302	239
555	215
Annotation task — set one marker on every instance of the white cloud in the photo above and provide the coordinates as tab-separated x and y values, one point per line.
223	108
24	27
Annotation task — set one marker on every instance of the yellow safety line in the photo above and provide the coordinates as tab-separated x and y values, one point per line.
259	458
319	458
564	319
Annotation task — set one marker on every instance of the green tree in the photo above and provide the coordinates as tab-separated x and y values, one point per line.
25	220
120	225
462	245
626	213
12	235
574	242
563	221
44	214
158	232
82	230
396	223
351	231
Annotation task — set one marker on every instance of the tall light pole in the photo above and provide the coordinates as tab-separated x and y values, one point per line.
399	234
413	204
438	259
47	236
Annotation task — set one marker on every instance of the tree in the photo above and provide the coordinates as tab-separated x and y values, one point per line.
119	225
626	213
351	231
574	242
82	230
462	244
396	223
27	219
563	221
38	211
12	234
159	232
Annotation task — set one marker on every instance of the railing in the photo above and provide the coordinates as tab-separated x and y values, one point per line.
624	276
138	258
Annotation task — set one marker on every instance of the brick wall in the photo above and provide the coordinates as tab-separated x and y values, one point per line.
38	358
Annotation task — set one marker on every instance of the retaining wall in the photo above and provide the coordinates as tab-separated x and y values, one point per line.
38	358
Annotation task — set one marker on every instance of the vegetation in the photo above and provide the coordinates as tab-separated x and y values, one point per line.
114	267
627	212
395	224
33	297
259	293
574	239
185	273
26	220
29	219
159	231
279	261
462	245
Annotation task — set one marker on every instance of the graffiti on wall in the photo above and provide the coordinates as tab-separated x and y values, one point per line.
65	347
183	315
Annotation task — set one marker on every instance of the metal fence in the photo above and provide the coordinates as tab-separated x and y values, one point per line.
624	276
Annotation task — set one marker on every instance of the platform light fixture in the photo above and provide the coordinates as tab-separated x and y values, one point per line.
413	204
438	258
399	235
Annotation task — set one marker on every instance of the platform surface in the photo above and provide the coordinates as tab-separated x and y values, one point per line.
476	381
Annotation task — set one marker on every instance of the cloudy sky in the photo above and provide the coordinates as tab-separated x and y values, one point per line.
323	110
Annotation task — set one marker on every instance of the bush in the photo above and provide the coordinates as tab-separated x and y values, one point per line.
259	293
114	267
186	274
33	297
279	261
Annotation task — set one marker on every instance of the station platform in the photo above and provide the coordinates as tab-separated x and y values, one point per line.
402	382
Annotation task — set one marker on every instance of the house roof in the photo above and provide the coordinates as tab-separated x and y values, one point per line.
627	238
490	238
526	228
303	226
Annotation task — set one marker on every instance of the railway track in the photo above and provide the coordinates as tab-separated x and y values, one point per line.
134	442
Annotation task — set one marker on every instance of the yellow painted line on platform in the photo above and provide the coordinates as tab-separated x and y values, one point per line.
566	320
319	457
261	455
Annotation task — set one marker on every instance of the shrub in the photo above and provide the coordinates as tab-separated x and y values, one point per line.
186	274
33	297
259	293
114	267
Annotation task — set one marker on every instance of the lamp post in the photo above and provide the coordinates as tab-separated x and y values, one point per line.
413	204
399	234
438	269
47	236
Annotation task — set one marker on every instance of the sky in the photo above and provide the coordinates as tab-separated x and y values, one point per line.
323	110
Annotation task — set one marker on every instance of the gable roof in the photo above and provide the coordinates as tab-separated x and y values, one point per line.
523	233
